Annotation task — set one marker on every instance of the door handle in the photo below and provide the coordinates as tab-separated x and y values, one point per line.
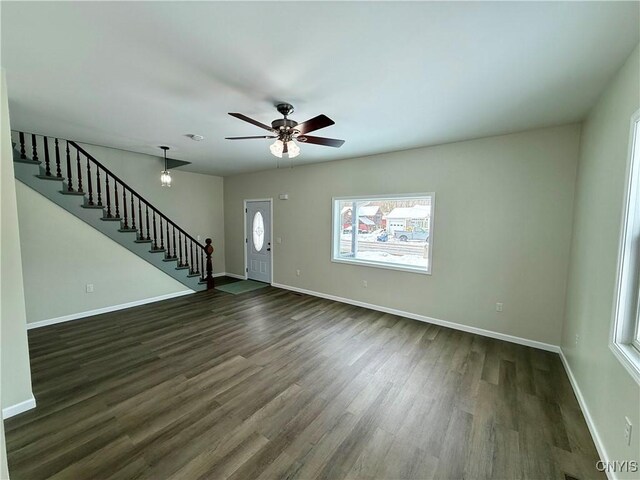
268	249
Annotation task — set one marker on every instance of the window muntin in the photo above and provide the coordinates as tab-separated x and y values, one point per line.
393	231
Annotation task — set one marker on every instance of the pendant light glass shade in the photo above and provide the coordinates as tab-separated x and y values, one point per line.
293	149
165	176
277	148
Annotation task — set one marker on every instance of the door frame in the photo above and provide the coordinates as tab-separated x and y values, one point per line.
246	239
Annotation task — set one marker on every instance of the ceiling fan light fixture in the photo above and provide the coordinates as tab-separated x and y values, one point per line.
293	149
277	148
287	131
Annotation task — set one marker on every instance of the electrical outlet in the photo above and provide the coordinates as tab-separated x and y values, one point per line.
297	273
89	287
365	284
577	339
498	307
627	430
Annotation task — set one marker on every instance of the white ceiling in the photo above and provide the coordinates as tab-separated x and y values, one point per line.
392	75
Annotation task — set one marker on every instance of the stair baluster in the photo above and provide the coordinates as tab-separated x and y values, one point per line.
191	269
155	232
186	259
99	186
79	170
58	171
167	254
23	154
115	194
140	219
180	264
108	190
201	265
69	174
146	206
161	235
89	183
133	213
174	242
47	162
34	147
125	225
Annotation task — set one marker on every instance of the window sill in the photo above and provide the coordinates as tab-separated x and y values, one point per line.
387	266
629	357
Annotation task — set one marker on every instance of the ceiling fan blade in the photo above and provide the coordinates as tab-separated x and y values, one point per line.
327	142
246	138
251	120
315	123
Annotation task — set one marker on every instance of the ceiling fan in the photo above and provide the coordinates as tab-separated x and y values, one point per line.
285	131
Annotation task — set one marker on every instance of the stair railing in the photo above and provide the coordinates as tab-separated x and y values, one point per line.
85	175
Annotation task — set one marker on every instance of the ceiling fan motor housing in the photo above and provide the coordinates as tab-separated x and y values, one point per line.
284	124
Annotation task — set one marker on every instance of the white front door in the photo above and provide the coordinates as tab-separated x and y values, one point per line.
258	241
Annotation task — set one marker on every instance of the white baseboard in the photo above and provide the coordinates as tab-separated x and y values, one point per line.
423	318
587	415
113	308
221	274
18	408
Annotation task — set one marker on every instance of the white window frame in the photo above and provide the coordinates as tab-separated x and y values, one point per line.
336	230
624	341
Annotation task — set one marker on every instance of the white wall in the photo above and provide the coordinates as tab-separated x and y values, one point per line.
608	390
59	263
501	233
15	376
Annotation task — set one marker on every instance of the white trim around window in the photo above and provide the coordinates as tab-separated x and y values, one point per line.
624	342
370	258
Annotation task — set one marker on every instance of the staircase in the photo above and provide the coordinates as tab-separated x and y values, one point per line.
69	176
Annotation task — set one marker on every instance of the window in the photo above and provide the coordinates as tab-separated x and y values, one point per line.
394	231
625	341
258	231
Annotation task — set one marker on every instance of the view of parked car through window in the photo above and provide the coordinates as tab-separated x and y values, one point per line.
391	232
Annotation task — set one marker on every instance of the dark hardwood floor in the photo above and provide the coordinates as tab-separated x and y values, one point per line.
272	384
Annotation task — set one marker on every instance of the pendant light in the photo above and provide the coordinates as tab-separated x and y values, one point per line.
165	178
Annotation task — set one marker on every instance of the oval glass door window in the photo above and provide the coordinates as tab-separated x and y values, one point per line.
258	231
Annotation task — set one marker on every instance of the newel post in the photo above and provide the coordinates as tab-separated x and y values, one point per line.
209	250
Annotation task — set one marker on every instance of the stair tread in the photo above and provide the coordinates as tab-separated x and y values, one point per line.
143	241
92	206
50	177
128	230
67	192
158	250
182	268
193	275
111	219
27	161
170	260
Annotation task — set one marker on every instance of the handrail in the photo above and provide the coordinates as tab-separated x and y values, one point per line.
93	159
